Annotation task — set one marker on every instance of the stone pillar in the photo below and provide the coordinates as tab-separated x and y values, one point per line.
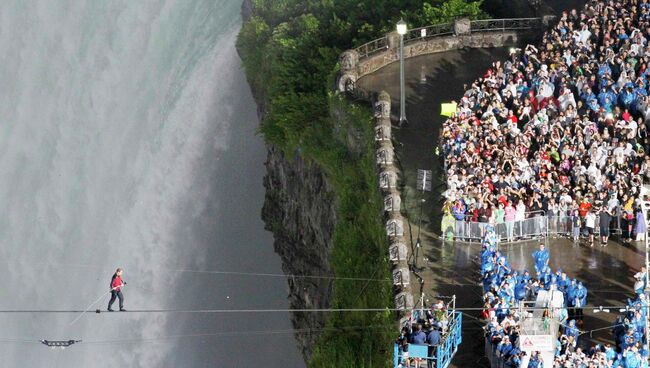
462	27
401	277
382	106
349	62
398	251
393	42
392	202
383	131
388	179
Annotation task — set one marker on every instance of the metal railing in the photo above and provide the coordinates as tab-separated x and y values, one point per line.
424	33
507	231
444	29
514	24
368	49
535	226
440	355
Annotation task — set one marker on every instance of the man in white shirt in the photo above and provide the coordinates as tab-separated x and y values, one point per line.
590	223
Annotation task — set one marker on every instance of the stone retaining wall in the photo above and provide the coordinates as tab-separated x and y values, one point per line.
388	178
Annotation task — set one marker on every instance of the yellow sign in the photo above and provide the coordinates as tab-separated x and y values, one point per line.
448	109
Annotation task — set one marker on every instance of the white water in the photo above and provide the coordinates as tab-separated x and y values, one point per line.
126	134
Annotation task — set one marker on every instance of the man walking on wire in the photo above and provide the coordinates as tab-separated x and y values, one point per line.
116	290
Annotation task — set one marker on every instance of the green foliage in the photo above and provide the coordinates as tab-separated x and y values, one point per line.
448	10
289	50
253	34
359	249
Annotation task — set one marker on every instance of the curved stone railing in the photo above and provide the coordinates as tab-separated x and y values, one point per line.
461	33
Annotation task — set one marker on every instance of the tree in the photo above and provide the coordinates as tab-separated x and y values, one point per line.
448	10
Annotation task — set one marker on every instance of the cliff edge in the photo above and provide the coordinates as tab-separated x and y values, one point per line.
299	210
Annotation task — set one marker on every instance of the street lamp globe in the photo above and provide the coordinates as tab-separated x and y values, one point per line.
401	27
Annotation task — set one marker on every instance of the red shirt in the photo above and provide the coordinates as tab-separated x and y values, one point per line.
116	283
627	116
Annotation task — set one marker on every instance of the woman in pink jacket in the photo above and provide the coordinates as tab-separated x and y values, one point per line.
509	217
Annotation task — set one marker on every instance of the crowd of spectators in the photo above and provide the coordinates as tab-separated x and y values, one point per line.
629	337
504	289
562	128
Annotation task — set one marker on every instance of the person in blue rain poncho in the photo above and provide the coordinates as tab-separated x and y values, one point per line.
610	352
632	358
503	268
638	323
593	104
545	277
563	282
580	302
639	93
626	97
570	297
541	258
535	361
525	276
572	332
606	97
629	339
603	69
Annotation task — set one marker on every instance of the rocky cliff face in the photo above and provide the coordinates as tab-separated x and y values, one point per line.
300	212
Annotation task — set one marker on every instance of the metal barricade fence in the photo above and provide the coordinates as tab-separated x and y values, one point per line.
534	226
507	231
560	225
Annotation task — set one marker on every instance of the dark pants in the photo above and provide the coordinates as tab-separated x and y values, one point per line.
116	294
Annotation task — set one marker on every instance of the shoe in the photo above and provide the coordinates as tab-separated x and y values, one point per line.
110	310
122	310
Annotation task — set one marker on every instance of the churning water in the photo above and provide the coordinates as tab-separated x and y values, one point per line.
127	138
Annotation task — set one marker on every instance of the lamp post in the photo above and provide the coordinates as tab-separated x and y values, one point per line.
401	30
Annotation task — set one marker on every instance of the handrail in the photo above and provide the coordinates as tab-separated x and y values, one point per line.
505	24
443	352
526	215
427	32
370	48
441	29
